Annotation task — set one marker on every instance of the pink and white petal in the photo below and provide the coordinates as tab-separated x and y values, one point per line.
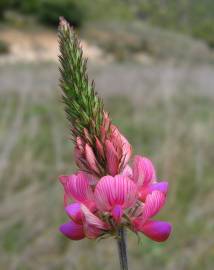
112	158
157	230
143	171
112	191
91	232
154	202
74	212
72	230
92	220
126	150
127	171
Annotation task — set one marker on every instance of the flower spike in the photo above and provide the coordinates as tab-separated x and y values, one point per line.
108	195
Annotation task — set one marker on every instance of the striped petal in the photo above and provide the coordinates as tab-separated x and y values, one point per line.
72	230
154	202
93	226
157	230
143	171
112	158
126	150
78	188
111	191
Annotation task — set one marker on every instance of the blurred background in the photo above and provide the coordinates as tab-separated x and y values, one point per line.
153	64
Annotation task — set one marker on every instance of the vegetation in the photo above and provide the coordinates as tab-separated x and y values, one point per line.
194	17
4	48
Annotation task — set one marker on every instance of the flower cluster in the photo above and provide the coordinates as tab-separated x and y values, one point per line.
129	199
107	194
103	155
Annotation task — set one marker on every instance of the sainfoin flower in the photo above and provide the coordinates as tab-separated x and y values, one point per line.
106	196
130	199
108	154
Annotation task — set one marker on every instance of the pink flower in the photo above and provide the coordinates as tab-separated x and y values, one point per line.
130	199
107	155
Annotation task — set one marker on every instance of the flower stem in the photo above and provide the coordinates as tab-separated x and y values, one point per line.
121	243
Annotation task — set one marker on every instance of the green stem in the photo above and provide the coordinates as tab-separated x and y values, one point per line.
121	243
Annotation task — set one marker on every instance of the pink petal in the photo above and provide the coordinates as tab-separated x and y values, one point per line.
111	191
126	150
93	226
91	159
74	212
145	190
63	179
112	158
80	144
154	202
77	187
127	171
72	230
117	213
143	171
92	219
157	230
99	148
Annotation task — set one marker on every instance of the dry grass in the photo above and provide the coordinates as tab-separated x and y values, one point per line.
167	113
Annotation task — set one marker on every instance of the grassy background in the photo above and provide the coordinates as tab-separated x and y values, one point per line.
165	110
157	83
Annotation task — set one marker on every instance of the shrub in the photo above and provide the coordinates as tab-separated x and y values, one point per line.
3	7
51	10
4	48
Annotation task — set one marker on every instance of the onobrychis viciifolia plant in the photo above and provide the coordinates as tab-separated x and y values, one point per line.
106	196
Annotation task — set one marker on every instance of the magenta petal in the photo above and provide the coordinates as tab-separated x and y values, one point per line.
157	230
117	213
161	186
74	212
145	190
72	230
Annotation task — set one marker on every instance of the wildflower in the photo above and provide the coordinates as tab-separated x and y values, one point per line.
106	195
116	201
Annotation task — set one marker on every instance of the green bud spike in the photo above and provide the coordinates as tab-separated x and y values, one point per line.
82	105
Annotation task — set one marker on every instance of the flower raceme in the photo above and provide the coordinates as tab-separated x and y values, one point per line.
106	155
129	199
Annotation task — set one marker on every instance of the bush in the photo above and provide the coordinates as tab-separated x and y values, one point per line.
3	7
50	11
4	48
